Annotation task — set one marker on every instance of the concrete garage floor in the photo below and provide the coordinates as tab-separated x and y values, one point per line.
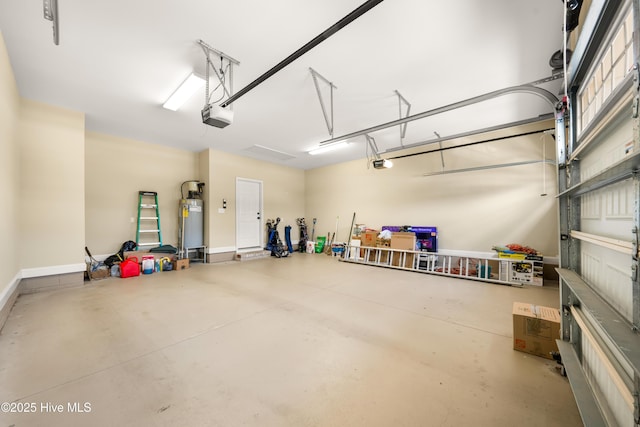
302	341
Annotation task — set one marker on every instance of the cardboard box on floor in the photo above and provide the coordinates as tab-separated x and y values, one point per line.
403	241
101	273
181	264
535	329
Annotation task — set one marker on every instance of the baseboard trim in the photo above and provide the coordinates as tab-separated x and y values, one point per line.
221	250
11	292
28	273
8	298
220	257
254	249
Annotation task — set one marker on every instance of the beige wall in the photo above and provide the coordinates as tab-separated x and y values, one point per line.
9	113
473	210
283	195
116	169
51	188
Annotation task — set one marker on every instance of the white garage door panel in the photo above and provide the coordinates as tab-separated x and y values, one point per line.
602	381
611	148
609	272
609	212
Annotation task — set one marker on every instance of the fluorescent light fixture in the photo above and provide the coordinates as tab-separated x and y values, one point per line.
184	92
330	147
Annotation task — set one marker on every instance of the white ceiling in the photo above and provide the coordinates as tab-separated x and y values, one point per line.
118	61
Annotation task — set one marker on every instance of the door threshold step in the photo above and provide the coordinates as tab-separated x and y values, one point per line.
250	255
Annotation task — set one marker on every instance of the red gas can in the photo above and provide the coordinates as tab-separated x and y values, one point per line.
129	267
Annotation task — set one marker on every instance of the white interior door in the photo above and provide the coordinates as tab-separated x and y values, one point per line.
248	213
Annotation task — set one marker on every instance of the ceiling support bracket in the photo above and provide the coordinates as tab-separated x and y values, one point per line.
224	74
328	117
371	142
441	150
50	9
403	127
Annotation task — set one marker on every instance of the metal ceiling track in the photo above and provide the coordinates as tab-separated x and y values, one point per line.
542	93
328	118
503	126
355	14
469	144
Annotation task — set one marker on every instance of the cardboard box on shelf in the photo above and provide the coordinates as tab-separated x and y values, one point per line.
369	238
372	251
535	329
181	264
521	272
383	243
426	236
511	255
384	255
528	272
538	269
404	241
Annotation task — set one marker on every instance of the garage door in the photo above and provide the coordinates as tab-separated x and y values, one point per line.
599	218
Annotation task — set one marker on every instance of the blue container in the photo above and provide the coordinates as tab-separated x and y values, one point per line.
147	265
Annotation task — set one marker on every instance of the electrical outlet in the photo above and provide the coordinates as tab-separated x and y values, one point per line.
132	220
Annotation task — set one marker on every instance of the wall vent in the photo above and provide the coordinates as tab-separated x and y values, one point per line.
269	153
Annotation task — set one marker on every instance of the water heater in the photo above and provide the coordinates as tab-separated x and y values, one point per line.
191	215
192	222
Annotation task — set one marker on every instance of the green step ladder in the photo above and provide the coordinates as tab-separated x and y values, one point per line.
148	219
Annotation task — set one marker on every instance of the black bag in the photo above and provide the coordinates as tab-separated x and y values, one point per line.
127	246
113	259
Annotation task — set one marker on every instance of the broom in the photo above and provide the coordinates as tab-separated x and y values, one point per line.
333	237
